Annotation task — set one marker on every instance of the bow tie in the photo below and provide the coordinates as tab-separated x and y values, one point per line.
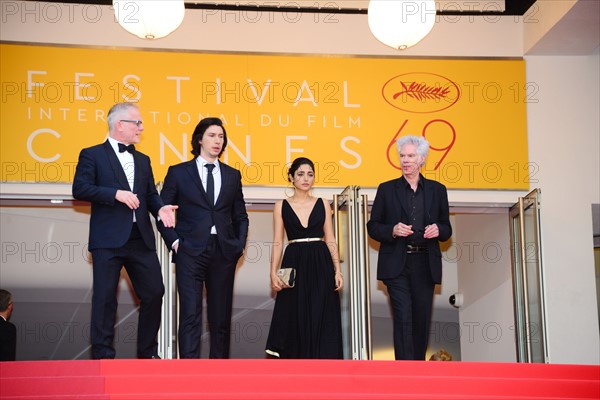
129	148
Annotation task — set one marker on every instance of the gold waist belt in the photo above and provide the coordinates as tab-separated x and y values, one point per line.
303	240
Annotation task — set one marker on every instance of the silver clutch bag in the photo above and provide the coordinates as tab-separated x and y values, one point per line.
287	275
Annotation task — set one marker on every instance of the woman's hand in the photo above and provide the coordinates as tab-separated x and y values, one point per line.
276	283
339	281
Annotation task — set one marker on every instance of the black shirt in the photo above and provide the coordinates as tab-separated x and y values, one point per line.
416	210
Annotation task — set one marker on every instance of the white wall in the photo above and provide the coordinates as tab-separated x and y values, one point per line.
564	141
563	123
211	30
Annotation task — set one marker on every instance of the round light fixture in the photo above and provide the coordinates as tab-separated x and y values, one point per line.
401	23
149	19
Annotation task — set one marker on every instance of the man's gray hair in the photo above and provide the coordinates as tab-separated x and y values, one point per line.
116	112
420	142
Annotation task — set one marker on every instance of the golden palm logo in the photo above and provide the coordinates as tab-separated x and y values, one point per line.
421	92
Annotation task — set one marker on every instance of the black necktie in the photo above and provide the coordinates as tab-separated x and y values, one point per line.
210	184
129	148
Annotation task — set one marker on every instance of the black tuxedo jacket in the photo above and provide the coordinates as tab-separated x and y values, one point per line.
183	187
97	178
389	208
8	340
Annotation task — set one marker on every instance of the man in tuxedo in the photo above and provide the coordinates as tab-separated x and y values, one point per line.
208	240
409	217
8	331
119	182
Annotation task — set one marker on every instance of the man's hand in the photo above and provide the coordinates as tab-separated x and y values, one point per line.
167	215
128	198
402	230
431	231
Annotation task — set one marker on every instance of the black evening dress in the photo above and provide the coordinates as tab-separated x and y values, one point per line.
306	319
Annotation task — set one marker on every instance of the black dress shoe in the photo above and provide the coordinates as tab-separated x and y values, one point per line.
153	357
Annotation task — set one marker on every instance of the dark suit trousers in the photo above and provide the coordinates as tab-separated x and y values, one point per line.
144	271
212	270
411	295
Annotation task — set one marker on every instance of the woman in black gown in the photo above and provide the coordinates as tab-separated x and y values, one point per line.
306	319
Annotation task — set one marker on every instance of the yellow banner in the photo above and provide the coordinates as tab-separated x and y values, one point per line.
343	113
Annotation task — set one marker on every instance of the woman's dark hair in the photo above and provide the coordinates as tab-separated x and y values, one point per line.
202	126
297	163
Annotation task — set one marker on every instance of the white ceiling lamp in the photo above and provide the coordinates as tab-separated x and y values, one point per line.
401	23
149	19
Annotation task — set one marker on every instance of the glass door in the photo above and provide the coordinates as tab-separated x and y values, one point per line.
350	218
528	279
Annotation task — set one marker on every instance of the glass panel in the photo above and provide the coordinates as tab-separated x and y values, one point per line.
341	225
350	220
518	285
528	280
535	325
364	267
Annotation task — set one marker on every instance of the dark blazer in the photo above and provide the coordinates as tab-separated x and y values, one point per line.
183	187
389	208
8	340
98	177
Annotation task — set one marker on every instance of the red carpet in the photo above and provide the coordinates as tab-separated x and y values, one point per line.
294	379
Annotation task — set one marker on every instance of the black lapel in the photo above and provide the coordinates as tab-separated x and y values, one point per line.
192	169
428	199
116	166
399	190
225	177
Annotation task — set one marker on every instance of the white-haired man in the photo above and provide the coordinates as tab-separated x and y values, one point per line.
118	181
409	217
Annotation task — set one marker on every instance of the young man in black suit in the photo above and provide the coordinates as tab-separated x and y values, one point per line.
210	236
409	217
8	330
119	182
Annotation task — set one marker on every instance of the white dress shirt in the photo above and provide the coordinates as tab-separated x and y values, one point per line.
203	171
126	160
